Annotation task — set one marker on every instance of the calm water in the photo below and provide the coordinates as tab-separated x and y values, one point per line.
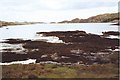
29	31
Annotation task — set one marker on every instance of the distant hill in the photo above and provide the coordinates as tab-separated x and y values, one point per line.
4	23
109	17
102	18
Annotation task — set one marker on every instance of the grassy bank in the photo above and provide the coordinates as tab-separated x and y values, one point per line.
60	71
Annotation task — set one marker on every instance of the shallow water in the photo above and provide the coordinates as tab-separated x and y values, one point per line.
20	62
29	31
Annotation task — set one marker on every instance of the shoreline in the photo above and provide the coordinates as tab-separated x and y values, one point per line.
85	54
77	46
4	24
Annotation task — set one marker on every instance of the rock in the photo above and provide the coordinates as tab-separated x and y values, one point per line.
43	56
55	56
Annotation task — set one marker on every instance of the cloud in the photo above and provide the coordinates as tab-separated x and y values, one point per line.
55	4
53	10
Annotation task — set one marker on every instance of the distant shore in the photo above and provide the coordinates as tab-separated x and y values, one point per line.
102	18
4	23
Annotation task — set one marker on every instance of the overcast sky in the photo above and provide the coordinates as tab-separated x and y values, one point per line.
54	10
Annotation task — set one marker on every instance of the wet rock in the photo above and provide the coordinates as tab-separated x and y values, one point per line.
115	33
55	56
12	56
43	56
80	47
15	41
76	51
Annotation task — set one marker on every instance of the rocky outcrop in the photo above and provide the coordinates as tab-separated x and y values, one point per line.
79	47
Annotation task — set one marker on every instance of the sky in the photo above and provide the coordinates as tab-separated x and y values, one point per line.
54	10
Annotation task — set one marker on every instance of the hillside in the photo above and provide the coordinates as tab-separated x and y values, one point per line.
108	17
4	23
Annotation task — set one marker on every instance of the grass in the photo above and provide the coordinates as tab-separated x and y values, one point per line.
60	71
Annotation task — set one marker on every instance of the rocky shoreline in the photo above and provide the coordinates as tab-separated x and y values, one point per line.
79	47
80	55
